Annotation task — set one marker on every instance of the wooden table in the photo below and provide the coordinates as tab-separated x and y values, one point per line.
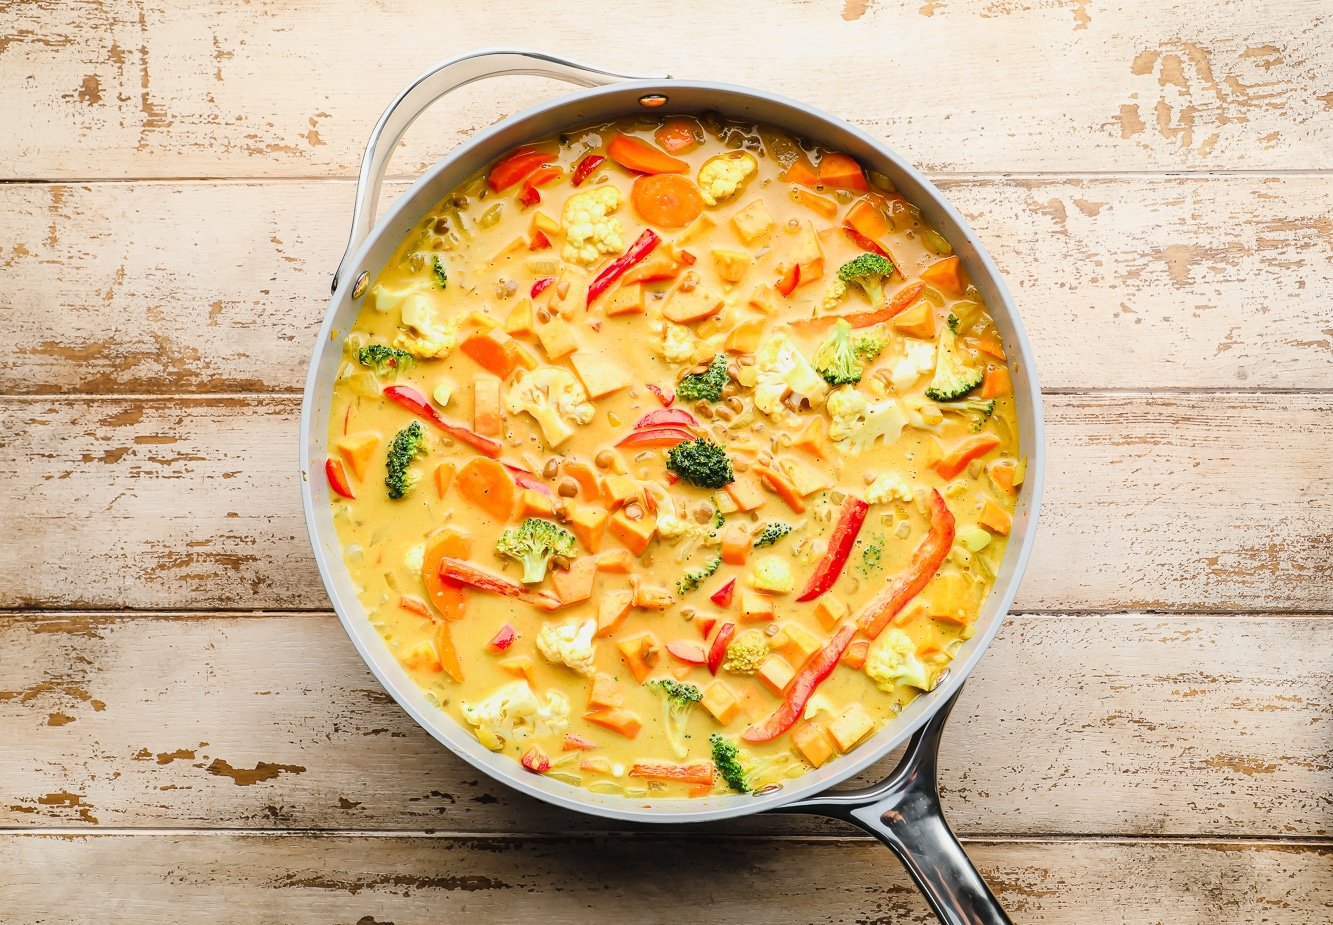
185	732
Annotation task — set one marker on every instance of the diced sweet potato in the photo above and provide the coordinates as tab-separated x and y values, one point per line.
605	693
444	477
520	666
754	222
805	478
745	337
620	490
813	438
490	351
635	535
557	338
421	657
612	607
357	451
575	584
776	673
486	414
627	300
736	544
651	597
641	652
600	374
687	307
755	607
855	654
701	225
731	264
813	742
535	504
830	611
545	224
588	524
520	322
850	726
721	701
746	491
762	298
918	321
797	644
625	722
617	562
995	518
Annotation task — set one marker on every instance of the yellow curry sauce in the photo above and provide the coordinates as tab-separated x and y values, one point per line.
551	364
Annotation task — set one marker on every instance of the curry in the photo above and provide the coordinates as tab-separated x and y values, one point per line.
673	457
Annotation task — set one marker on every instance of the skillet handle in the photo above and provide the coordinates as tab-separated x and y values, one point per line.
429	87
904	813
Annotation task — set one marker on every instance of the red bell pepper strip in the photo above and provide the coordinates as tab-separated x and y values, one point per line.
722	596
839	548
540	286
718	650
415	402
525	479
926	561
337	475
791	278
535	760
657	436
542	175
503	639
865	243
665	397
584	169
515	167
691	653
468	574
816	668
667	417
637	251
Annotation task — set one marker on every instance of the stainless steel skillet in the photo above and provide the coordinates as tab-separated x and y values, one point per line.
903	811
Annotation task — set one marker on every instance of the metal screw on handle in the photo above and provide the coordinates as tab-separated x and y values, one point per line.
429	87
904	813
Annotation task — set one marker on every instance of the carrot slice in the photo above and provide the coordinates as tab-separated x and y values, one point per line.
678	135
696	772
447	597
842	172
639	156
487	484
625	722
667	200
947	275
868	220
801	171
489	352
996	383
783	486
448	655
958	458
590	487
515	167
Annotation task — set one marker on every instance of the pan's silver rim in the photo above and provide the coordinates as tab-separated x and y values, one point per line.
507	771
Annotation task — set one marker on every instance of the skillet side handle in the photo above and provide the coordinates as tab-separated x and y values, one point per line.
440	80
904	813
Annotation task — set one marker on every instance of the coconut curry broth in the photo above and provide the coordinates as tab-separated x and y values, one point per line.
489	293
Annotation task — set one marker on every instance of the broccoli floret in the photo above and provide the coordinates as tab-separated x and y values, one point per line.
738	767
835	359
441	272
677	699
977	410
407	445
706	385
701	462
771	534
869	347
869	272
383	359
533	543
695	577
952	379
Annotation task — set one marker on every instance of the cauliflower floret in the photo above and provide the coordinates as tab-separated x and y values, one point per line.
746	652
555	399
888	487
837	290
386	298
569	644
516	711
772	573
415	558
422	335
892	660
589	229
919	360
857	423
720	177
678	343
779	367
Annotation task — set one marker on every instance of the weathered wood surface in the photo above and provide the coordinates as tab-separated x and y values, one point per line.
1182	502
1219	282
172	877
199	89
1113	726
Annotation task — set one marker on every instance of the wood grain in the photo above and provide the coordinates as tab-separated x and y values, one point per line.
1114	726
174	877
1122	283
114	88
1185	502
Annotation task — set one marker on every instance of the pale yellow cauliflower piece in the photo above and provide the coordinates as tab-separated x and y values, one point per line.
888	487
569	644
423	334
516	711
590	231
892	660
772	573
554	398
780	367
837	291
678	343
918	360
720	177
856	423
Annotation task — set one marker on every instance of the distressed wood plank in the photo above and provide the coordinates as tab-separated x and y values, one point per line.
121	89
1123	283
173	877
1114	725
1181	502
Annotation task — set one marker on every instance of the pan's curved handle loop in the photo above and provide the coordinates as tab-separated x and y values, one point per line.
429	87
904	813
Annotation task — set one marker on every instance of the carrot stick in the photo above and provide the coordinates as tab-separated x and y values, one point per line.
444	648
697	772
639	156
958	458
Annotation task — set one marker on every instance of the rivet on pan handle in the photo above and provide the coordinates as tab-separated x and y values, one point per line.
904	813
429	87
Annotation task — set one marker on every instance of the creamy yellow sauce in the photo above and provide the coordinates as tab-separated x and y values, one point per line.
483	240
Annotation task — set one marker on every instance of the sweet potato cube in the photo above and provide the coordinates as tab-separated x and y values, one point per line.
697	304
804	477
797	644
545	224
616	561
850	726
754	703
600	374
491	352
721	701
534	504
813	742
995	518
519	322
625	722
731	265
918	321
855	655
575	584
754	222
520	666
421	657
612	608
652	597
744	338
746	491
620	490
627	300
641	652
805	250
813	438
755	607
556	338
588	524
762	298
914	611
776	673
605	693
635	535
357	450
830	611
486	414
701	224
